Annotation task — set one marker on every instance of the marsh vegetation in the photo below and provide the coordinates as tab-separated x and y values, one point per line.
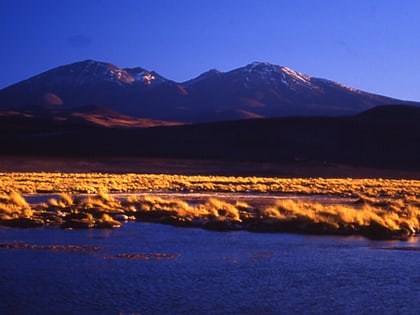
376	208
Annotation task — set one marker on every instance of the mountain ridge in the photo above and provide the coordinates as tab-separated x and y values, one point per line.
259	89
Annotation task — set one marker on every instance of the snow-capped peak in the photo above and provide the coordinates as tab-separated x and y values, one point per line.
258	64
90	70
276	76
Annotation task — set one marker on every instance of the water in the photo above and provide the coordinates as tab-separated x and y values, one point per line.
208	273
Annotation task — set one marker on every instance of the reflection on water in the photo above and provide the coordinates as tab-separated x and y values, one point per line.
159	269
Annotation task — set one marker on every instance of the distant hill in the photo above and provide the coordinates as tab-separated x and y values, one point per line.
28	116
393	112
257	90
383	137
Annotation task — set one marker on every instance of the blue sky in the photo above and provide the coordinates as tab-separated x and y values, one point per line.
372	45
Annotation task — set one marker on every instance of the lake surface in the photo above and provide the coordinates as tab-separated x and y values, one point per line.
169	270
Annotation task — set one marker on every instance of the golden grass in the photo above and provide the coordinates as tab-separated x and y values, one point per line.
393	214
73	183
13	205
392	204
341	218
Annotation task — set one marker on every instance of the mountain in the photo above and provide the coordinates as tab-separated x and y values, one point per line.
258	90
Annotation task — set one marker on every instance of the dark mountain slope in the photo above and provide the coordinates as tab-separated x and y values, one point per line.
362	140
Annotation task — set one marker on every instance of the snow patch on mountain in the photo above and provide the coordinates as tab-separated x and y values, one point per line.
278	77
298	77
334	84
117	75
130	76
